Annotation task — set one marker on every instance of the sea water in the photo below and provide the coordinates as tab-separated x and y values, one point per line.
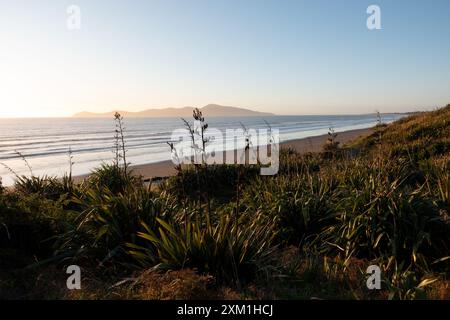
45	142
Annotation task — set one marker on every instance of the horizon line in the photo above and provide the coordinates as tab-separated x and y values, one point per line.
274	115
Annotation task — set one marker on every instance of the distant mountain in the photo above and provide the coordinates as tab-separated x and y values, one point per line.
210	110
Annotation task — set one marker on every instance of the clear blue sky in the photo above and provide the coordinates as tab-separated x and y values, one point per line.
287	57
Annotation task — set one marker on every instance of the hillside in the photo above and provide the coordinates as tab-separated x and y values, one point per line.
226	232
210	110
420	136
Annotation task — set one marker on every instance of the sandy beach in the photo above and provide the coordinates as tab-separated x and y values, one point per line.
310	144
166	168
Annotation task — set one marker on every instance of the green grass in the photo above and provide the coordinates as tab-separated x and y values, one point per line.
310	231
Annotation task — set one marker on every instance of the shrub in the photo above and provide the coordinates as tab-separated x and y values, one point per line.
114	178
297	206
107	221
45	186
229	250
29	224
212	181
385	220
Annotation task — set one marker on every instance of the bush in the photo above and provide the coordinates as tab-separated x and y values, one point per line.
107	221
114	178
219	181
29	224
228	250
297	206
48	187
385	220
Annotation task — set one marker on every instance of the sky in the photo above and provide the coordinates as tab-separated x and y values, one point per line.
285	57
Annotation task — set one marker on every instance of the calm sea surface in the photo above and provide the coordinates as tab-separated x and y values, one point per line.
45	142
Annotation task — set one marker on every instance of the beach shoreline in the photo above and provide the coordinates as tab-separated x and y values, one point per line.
164	169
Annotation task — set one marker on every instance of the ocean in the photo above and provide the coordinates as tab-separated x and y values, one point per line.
45	143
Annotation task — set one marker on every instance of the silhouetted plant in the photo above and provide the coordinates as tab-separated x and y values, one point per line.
25	161
197	131
198	116
331	146
120	148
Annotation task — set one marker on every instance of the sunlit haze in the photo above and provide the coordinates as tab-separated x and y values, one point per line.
284	57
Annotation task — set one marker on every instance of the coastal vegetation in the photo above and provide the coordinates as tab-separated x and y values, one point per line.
225	232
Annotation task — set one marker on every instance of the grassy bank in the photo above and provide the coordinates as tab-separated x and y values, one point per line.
227	232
